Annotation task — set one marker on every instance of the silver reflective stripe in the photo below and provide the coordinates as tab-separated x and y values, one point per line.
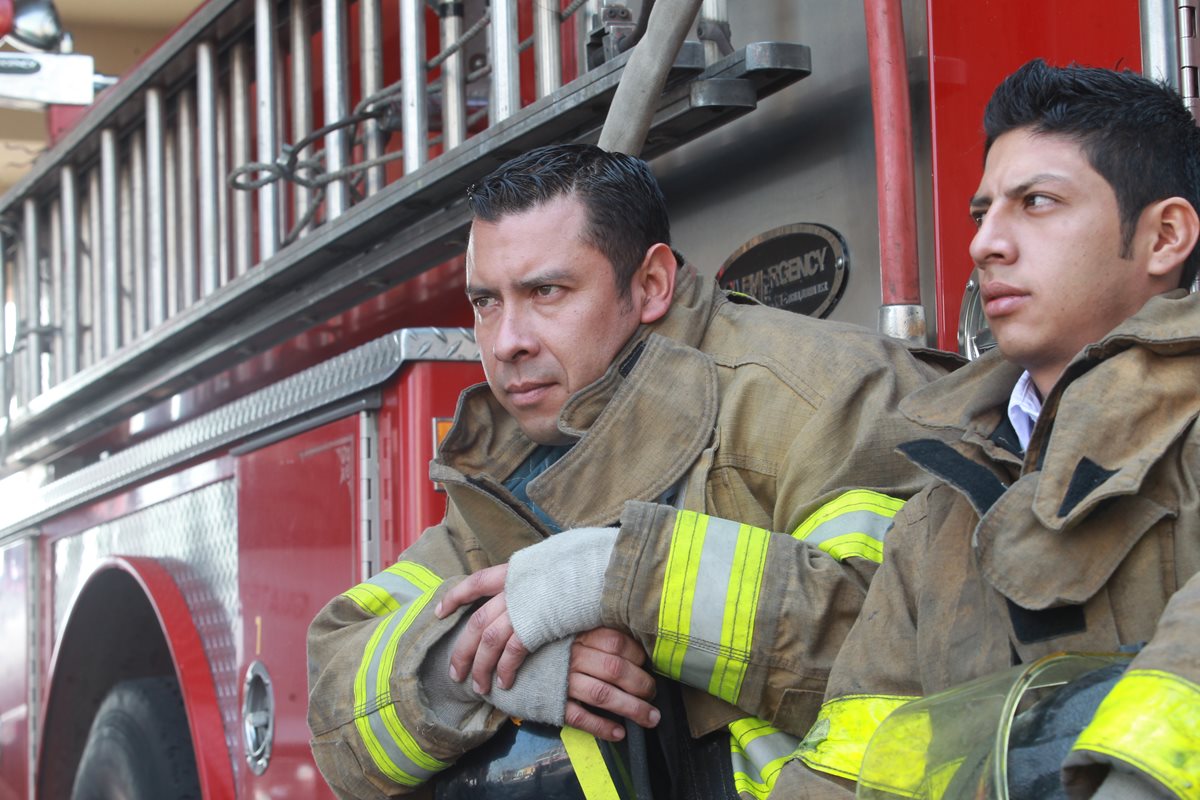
760	753
375	700
382	734
708	602
397	586
866	522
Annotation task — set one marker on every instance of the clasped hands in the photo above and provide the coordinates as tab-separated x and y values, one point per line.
606	665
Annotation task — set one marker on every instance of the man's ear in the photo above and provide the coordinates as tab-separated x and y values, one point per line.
1174	227
655	283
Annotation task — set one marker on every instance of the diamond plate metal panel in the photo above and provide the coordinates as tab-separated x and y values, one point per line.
352	372
195	537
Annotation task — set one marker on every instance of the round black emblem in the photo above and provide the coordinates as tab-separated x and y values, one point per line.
800	267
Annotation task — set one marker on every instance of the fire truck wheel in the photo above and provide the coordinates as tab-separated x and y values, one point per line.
139	747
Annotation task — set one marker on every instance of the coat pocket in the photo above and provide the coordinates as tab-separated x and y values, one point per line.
1038	567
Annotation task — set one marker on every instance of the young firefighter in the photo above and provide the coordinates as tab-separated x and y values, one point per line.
615	374
1067	512
1069	515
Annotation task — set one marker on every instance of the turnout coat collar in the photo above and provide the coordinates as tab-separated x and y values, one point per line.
638	398
1118	408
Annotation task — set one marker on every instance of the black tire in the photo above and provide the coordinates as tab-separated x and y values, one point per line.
139	747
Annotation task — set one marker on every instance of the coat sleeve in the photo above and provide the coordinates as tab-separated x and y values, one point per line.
752	617
1149	723
375	734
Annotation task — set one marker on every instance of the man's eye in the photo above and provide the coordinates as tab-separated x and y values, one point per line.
1038	201
482	302
546	291
977	216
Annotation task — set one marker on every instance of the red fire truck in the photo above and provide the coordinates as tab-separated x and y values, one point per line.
233	299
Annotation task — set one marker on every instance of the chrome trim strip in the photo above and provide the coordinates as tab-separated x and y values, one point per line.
340	377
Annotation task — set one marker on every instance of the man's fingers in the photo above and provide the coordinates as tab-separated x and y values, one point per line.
484	583
576	716
611	668
586	689
498	638
463	655
511	660
614	641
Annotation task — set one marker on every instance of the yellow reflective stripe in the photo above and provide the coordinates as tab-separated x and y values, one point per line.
759	753
372	599
838	739
392	588
741	609
392	748
588	763
709	603
854	544
852	524
1151	719
679	586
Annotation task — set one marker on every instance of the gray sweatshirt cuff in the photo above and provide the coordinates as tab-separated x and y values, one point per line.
539	692
554	587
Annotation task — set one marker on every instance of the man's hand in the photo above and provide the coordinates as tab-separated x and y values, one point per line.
606	672
487	644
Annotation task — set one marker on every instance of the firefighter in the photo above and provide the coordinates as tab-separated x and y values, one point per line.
1067	514
615	374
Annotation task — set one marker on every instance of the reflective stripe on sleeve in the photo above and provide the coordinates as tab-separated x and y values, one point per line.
852	524
1151	720
589	765
838	739
391	589
709	603
393	749
759	752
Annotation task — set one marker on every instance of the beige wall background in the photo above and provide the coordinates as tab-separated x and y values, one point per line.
118	34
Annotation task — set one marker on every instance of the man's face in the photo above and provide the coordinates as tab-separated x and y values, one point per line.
1048	251
548	317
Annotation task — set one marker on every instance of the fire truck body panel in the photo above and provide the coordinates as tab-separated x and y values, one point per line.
232	554
18	625
805	155
298	507
185	494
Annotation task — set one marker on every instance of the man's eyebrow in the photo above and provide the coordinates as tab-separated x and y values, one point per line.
1020	189
525	284
543	278
979	201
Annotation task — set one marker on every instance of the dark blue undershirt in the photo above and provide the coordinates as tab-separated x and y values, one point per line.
541	459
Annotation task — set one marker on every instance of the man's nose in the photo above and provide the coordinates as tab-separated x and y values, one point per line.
514	337
993	241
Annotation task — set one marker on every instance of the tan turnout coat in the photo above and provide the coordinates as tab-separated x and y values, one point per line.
1090	543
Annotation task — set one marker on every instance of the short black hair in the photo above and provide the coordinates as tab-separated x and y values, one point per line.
1133	131
626	211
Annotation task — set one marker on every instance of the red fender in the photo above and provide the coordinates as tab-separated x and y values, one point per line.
191	668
